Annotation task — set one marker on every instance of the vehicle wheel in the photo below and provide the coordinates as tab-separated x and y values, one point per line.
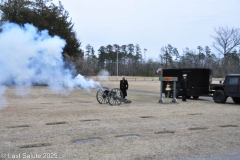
195	97
171	94
219	96
236	100
115	97
102	95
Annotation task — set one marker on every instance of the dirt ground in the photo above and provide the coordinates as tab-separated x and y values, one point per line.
44	125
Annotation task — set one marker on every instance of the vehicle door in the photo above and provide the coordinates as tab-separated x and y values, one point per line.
232	86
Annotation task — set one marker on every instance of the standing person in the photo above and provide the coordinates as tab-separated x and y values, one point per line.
124	86
184	87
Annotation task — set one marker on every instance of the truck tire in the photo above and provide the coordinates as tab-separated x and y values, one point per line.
219	96
236	100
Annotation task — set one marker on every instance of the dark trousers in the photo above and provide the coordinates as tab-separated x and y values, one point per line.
124	92
184	95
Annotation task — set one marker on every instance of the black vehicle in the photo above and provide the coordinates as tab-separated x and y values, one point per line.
198	78
229	88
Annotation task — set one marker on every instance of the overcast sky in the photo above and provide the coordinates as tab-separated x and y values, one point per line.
151	23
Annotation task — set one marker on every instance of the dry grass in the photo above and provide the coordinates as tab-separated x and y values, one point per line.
78	127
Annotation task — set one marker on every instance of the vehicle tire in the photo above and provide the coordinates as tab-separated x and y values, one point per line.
195	97
236	100
219	96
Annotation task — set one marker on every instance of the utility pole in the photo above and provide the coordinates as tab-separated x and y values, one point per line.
145	50
117	62
115	48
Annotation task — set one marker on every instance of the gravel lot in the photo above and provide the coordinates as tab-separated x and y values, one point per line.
46	125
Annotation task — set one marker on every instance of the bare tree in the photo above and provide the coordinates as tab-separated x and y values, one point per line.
226	39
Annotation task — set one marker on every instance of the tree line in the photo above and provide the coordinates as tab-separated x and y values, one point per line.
131	61
128	58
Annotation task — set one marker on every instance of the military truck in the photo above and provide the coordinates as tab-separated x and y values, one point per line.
229	88
199	79
200	84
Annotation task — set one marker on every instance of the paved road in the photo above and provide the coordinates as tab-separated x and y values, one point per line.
235	156
229	100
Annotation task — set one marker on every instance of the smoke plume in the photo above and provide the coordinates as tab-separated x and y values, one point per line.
29	57
103	75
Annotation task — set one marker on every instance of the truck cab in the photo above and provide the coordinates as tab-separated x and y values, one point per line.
229	88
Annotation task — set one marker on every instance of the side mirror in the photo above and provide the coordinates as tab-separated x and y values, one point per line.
220	81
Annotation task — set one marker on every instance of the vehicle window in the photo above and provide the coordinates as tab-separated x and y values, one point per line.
233	81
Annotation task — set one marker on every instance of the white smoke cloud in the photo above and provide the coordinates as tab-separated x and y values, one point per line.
29	56
103	75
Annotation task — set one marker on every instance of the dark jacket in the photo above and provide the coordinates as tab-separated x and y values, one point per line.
124	87
184	84
123	84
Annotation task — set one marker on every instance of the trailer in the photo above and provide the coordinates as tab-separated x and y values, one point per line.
199	80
